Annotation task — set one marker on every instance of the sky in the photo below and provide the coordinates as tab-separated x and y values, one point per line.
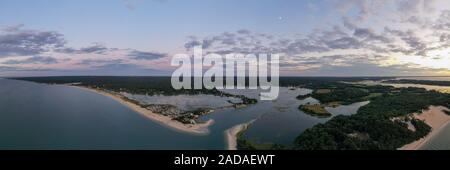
139	37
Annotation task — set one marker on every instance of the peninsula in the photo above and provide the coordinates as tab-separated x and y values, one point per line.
165	114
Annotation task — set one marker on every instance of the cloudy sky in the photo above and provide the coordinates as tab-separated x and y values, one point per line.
139	37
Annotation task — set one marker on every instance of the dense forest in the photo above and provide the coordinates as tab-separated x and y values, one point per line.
374	126
334	89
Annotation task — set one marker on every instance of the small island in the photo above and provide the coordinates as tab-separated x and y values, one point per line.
316	110
303	97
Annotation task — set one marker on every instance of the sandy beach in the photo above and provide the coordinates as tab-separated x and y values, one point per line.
198	129
231	134
434	117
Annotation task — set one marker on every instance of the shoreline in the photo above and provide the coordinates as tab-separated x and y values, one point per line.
197	129
231	134
441	89
434	117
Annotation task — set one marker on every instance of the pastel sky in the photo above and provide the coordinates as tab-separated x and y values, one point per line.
139	37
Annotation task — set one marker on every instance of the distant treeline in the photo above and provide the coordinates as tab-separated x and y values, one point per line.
142	84
134	85
423	82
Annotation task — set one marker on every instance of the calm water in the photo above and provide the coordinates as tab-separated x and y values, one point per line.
38	116
281	121
440	141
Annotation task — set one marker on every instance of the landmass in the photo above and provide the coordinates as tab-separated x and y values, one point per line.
383	124
315	110
374	126
233	133
303	97
174	123
336	95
